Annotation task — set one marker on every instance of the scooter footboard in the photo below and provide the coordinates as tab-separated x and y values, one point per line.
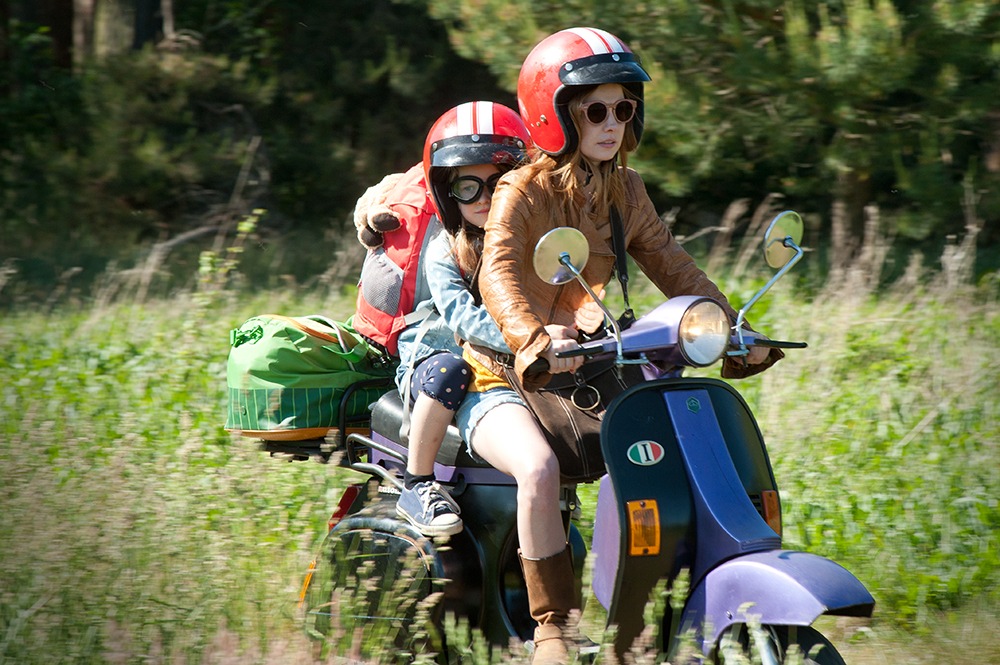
776	587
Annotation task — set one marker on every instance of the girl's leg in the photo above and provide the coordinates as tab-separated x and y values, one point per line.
429	420
439	384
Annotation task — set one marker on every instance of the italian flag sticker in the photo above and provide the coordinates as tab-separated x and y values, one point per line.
645	453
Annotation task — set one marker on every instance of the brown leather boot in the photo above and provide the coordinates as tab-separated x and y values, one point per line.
552	594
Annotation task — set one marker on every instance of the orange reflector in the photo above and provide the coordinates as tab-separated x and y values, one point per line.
306	582
644	527
772	509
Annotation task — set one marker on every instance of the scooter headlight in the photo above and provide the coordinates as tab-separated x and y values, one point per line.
704	333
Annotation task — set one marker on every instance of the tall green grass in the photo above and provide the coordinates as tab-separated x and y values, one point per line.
134	529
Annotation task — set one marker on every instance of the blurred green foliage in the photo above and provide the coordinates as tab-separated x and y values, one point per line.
885	102
134	527
297	106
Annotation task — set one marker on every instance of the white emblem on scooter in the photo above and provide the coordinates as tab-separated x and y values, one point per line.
645	453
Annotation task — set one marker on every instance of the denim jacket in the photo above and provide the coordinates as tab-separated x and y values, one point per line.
441	287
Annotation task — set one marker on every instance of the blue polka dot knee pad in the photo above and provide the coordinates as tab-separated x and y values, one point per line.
444	377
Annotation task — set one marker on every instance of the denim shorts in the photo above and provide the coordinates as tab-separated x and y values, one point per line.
475	406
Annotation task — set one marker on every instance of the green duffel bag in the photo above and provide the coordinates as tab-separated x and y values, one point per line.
289	377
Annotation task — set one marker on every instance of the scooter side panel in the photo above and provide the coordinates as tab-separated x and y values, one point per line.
639	416
605	545
720	423
728	523
776	587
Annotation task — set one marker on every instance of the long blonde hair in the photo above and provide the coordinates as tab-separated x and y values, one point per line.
467	248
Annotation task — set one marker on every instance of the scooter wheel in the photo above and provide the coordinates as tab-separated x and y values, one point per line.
770	645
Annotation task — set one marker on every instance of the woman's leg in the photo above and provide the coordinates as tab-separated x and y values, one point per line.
509	439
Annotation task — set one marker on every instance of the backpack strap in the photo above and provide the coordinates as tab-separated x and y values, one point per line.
417	315
429	315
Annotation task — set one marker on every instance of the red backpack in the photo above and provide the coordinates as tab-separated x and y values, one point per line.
389	276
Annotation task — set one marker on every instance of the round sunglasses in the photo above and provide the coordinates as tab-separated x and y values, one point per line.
468	188
597	112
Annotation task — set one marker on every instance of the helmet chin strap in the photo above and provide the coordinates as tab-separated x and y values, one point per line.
472	229
588	168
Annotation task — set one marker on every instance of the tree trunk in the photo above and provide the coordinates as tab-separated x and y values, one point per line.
167	9
114	27
154	20
60	22
83	31
852	193
840	239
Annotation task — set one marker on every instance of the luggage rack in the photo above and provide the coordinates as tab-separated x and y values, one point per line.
320	450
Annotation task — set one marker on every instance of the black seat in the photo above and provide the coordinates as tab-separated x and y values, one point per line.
387	418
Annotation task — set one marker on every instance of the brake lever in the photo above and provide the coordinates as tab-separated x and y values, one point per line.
778	344
579	351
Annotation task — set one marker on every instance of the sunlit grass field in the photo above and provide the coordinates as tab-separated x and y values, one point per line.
133	529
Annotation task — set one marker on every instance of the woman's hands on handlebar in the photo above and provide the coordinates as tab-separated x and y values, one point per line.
563	339
758	353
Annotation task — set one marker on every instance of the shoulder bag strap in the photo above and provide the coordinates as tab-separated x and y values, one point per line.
621	265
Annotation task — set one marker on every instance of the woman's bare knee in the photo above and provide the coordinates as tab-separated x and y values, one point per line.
541	468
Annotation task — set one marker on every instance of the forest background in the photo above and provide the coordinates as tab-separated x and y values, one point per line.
129	124
169	168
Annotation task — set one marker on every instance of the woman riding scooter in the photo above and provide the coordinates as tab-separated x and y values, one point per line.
580	93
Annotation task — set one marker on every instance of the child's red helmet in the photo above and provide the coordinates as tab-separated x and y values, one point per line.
562	61
471	133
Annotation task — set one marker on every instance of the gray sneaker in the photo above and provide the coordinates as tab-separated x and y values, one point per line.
429	508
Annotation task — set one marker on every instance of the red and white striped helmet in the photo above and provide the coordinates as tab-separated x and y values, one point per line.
562	61
471	133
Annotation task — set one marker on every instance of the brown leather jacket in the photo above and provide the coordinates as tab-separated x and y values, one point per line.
522	211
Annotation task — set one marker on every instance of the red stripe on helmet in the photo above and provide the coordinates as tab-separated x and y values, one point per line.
474	118
599	41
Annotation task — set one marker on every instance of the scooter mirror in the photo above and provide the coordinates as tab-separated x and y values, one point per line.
778	252
551	249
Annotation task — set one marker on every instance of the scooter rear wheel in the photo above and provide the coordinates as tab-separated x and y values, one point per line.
369	595
770	645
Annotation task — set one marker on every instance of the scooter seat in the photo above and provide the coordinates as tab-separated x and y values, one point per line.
387	418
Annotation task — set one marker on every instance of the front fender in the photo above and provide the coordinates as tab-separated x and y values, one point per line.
776	587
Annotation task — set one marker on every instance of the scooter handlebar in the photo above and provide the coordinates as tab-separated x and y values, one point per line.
579	351
542	365
778	344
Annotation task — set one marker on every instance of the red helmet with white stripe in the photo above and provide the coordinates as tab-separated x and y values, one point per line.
471	133
556	66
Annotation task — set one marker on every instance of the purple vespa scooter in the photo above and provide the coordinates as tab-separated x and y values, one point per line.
690	487
689	490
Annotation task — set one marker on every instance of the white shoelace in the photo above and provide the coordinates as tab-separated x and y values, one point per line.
434	493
